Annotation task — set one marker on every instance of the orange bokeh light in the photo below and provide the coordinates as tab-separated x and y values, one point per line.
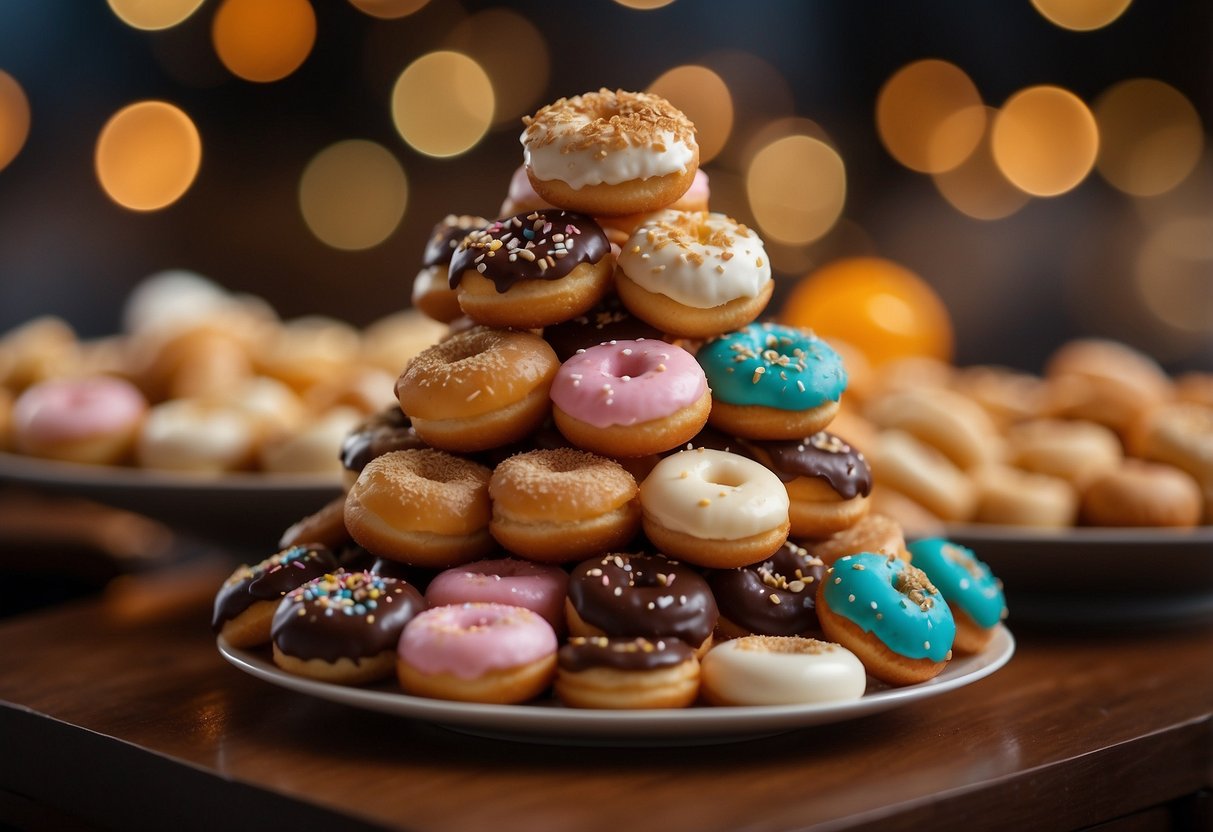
264	40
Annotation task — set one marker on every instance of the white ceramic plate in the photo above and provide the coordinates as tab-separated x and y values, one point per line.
548	722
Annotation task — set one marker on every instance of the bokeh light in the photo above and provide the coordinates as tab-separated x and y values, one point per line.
1150	136
1045	140
152	15
1081	15
353	194
797	186
389	9
148	155
644	5
930	116
704	97
264	40
514	54
977	188
14	118
443	103
878	306
1174	274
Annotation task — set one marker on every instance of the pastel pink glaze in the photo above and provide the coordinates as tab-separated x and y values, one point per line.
539	587
470	640
698	192
628	382
520	192
76	409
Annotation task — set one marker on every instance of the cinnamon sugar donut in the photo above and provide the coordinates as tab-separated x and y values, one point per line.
877	533
432	292
1143	493
480	389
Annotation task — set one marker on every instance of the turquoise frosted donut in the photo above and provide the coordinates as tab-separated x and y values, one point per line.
965	581
774	366
885	596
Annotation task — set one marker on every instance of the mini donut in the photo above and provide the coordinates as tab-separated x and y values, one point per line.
539	587
276	409
641	595
610	153
914	520
1195	387
422	507
876	532
694	273
1008	396
949	422
1076	451
532	270
781	670
772	382
1180	434
1105	381
479	389
197	436
562	504
630	398
608	321
971	590
343	627
365	389
432	292
828	481
309	350
619	229
390	342
911	372
889	614
202	361
916	469
775	597
245	604
1012	497
520	196
1141	493
314	449
714	509
37	350
377	434
626	673
477	653
325	527
88	420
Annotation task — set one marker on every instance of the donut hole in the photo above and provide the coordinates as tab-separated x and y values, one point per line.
724	478
630	365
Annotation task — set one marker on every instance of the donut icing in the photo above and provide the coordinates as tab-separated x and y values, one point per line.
777	597
962	579
767	670
608	321
539	245
469	640
774	366
894	601
714	495
629	654
446	236
627	382
74	409
607	137
697	258
538	587
378	434
269	580
821	456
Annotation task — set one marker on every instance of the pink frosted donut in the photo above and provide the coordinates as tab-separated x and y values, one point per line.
538	587
477	653
521	195
630	398
91	420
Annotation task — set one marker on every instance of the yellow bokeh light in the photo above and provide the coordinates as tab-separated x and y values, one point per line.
389	9
878	306
929	115
353	194
797	186
152	15
1174	274
264	40
1045	140
1081	15
704	97
443	104
148	155
513	54
1150	136
977	187
644	5
14	118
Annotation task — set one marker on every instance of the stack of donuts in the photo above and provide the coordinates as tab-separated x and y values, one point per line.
609	481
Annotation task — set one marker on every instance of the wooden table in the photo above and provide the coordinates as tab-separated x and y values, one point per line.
119	712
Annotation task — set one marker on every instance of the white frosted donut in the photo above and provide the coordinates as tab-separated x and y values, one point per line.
697	258
196	435
780	670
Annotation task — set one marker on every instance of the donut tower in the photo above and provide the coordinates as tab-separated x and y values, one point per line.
609	479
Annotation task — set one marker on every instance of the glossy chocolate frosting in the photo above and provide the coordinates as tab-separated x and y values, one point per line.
608	321
446	236
269	580
344	614
746	596
388	430
537	245
643	595
634	654
822	455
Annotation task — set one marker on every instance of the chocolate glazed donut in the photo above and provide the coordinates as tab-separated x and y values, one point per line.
776	597
269	580
539	245
822	455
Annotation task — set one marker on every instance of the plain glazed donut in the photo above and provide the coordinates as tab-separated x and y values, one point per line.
877	533
641	595
245	604
610	153
781	670
971	590
907	464
477	653
1141	493
626	673
1075	451
198	436
87	420
432	292
532	270
480	389
772	382
421	507
630	398
694	274
776	597
714	509
950	422
1011	497
562	505
539	587
889	614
